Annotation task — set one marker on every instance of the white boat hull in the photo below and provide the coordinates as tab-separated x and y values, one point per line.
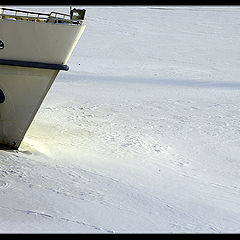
38	42
24	90
36	46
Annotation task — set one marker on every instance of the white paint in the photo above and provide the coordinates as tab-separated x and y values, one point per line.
25	88
38	41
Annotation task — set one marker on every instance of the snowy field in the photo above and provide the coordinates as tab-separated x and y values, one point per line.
141	135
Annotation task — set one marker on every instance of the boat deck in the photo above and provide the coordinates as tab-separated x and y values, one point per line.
53	17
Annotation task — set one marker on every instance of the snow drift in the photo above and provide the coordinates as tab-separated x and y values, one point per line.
141	135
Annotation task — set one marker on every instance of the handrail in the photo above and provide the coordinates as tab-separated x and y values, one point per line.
57	13
22	11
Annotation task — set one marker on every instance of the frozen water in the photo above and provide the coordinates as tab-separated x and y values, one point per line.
141	135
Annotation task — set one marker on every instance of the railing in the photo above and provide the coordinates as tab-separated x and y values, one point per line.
53	17
61	14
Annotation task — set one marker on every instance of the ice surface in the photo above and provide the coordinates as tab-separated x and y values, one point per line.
141	135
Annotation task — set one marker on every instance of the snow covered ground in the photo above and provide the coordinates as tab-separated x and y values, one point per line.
141	135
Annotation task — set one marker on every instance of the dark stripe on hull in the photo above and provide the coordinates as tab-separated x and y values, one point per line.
34	64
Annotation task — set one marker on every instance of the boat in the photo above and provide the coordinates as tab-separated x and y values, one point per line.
34	48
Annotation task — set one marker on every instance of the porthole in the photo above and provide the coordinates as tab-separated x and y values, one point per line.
2	96
1	45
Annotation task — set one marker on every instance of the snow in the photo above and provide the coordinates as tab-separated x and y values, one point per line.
141	135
